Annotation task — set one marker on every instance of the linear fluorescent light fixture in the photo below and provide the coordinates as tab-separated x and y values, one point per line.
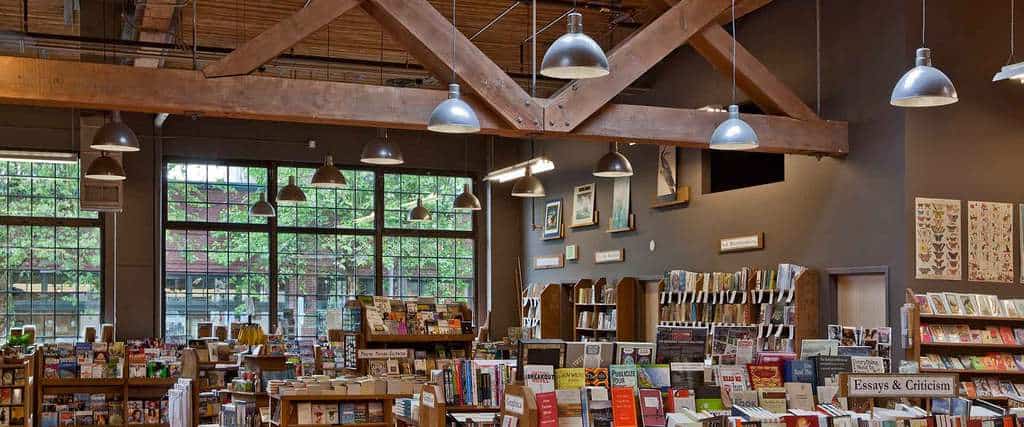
518	170
1012	71
39	156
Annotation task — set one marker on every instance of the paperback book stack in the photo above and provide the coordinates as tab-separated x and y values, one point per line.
328	413
475	382
83	360
388	316
68	409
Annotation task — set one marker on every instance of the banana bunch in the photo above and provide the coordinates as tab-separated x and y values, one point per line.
251	335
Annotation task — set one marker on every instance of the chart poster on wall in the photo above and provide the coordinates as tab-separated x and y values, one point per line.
990	242
622	218
584	206
666	172
937	230
552	220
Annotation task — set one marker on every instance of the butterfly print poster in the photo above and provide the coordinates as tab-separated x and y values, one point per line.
938	239
990	242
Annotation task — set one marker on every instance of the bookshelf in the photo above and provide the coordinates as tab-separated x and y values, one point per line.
434	411
605	313
368	340
705	303
21	375
284	409
543	309
962	345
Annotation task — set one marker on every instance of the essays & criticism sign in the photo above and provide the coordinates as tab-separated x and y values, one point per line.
920	385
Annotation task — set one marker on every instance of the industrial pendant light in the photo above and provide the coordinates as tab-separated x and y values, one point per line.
1011	71
733	133
574	55
528	186
327	175
419	213
613	164
453	115
291	193
923	85
262	208
115	136
381	151
105	168
466	200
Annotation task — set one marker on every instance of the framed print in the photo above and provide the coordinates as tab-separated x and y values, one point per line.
666	172
584	206
552	220
990	242
622	218
571	252
937	225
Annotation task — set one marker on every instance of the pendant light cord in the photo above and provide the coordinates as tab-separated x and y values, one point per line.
924	7
817	53
454	29
733	23
1010	59
533	48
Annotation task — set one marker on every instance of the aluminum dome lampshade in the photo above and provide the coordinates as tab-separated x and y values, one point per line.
923	85
105	168
613	165
528	186
381	151
419	213
291	193
262	207
453	115
574	55
328	176
115	136
734	133
466	200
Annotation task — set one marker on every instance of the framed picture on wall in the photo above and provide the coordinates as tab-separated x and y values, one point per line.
622	217
584	206
666	172
552	220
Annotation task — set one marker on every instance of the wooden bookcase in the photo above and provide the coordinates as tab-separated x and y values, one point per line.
27	386
368	340
913	353
805	301
625	304
434	411
545	314
283	408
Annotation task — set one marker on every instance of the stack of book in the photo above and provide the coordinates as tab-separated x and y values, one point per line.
601	320
475	382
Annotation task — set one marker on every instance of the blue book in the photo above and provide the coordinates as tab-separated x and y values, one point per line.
798	371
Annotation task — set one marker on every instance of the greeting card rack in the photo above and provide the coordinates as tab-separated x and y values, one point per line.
750	300
947	348
594	300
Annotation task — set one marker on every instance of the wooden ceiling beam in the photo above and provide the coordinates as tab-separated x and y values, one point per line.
752	77
155	27
53	83
278	38
427	35
580	99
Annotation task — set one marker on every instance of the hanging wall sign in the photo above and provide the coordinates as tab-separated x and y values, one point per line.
752	242
604	257
891	385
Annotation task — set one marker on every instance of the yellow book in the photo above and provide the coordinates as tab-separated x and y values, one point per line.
570	378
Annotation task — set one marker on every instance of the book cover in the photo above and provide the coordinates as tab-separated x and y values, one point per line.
539	378
798	371
623	376
547	409
598	407
679	399
686	375
651	410
570	407
867	365
765	375
772	399
732	378
828	368
654	376
597	377
623	407
570	378
814	347
800	396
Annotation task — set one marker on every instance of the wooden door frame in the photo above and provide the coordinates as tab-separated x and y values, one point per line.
831	313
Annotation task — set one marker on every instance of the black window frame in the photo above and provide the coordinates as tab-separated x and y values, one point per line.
273	229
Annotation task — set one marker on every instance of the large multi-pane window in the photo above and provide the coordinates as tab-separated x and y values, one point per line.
50	251
320	253
216	255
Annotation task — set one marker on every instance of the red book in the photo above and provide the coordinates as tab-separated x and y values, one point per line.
651	408
623	407
801	421
547	409
765	375
1007	333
